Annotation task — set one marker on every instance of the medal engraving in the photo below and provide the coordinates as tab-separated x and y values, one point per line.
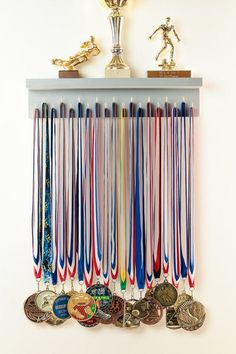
155	314
33	313
182	298
191	315
171	318
166	294
44	300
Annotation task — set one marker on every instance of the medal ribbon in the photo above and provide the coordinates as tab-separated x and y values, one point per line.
36	197
157	183
54	163
87	182
114	208
72	219
47	230
80	193
176	210
97	178
139	222
191	239
62	199
122	203
131	245
165	192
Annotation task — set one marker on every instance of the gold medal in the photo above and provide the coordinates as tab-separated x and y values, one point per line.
166	294
54	321
81	306
191	315
182	298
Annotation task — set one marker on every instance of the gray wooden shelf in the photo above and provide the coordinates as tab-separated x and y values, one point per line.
53	91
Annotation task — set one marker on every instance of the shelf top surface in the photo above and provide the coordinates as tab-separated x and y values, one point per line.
115	84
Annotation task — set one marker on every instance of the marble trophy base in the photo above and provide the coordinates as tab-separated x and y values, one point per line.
117	73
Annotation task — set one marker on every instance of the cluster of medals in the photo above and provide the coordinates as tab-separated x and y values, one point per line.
113	203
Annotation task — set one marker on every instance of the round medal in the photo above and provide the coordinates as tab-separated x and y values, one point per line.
92	322
101	294
191	315
53	321
116	308
33	313
166	294
59	307
44	300
81	306
155	314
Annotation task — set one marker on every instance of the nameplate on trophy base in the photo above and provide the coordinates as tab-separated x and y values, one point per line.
168	73
68	74
117	73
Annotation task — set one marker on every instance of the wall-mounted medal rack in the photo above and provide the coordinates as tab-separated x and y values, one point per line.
113	202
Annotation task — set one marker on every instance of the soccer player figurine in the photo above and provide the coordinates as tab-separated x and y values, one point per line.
166	29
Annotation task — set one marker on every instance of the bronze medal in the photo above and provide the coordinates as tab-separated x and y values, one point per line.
127	320
115	310
141	309
33	313
54	321
191	315
81	306
156	313
166	294
44	300
149	293
171	319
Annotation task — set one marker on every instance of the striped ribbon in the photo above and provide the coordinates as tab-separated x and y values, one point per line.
36	197
62	198
191	238
157	193
87	187
175	205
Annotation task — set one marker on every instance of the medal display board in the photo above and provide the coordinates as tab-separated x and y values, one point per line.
113	202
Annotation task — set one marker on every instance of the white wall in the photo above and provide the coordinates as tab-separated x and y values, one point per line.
32	32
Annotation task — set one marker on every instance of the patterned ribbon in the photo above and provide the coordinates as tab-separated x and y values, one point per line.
47	230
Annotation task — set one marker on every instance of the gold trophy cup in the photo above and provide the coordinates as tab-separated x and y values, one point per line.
117	66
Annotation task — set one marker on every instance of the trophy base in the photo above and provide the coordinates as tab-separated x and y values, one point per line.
169	73
68	74
117	73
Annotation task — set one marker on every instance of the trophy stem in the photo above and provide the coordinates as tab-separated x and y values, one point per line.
117	66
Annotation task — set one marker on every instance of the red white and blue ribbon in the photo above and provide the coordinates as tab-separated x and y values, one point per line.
36	198
157	194
62	201
191	238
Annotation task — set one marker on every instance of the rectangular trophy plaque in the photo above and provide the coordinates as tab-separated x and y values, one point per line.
68	74
169	73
